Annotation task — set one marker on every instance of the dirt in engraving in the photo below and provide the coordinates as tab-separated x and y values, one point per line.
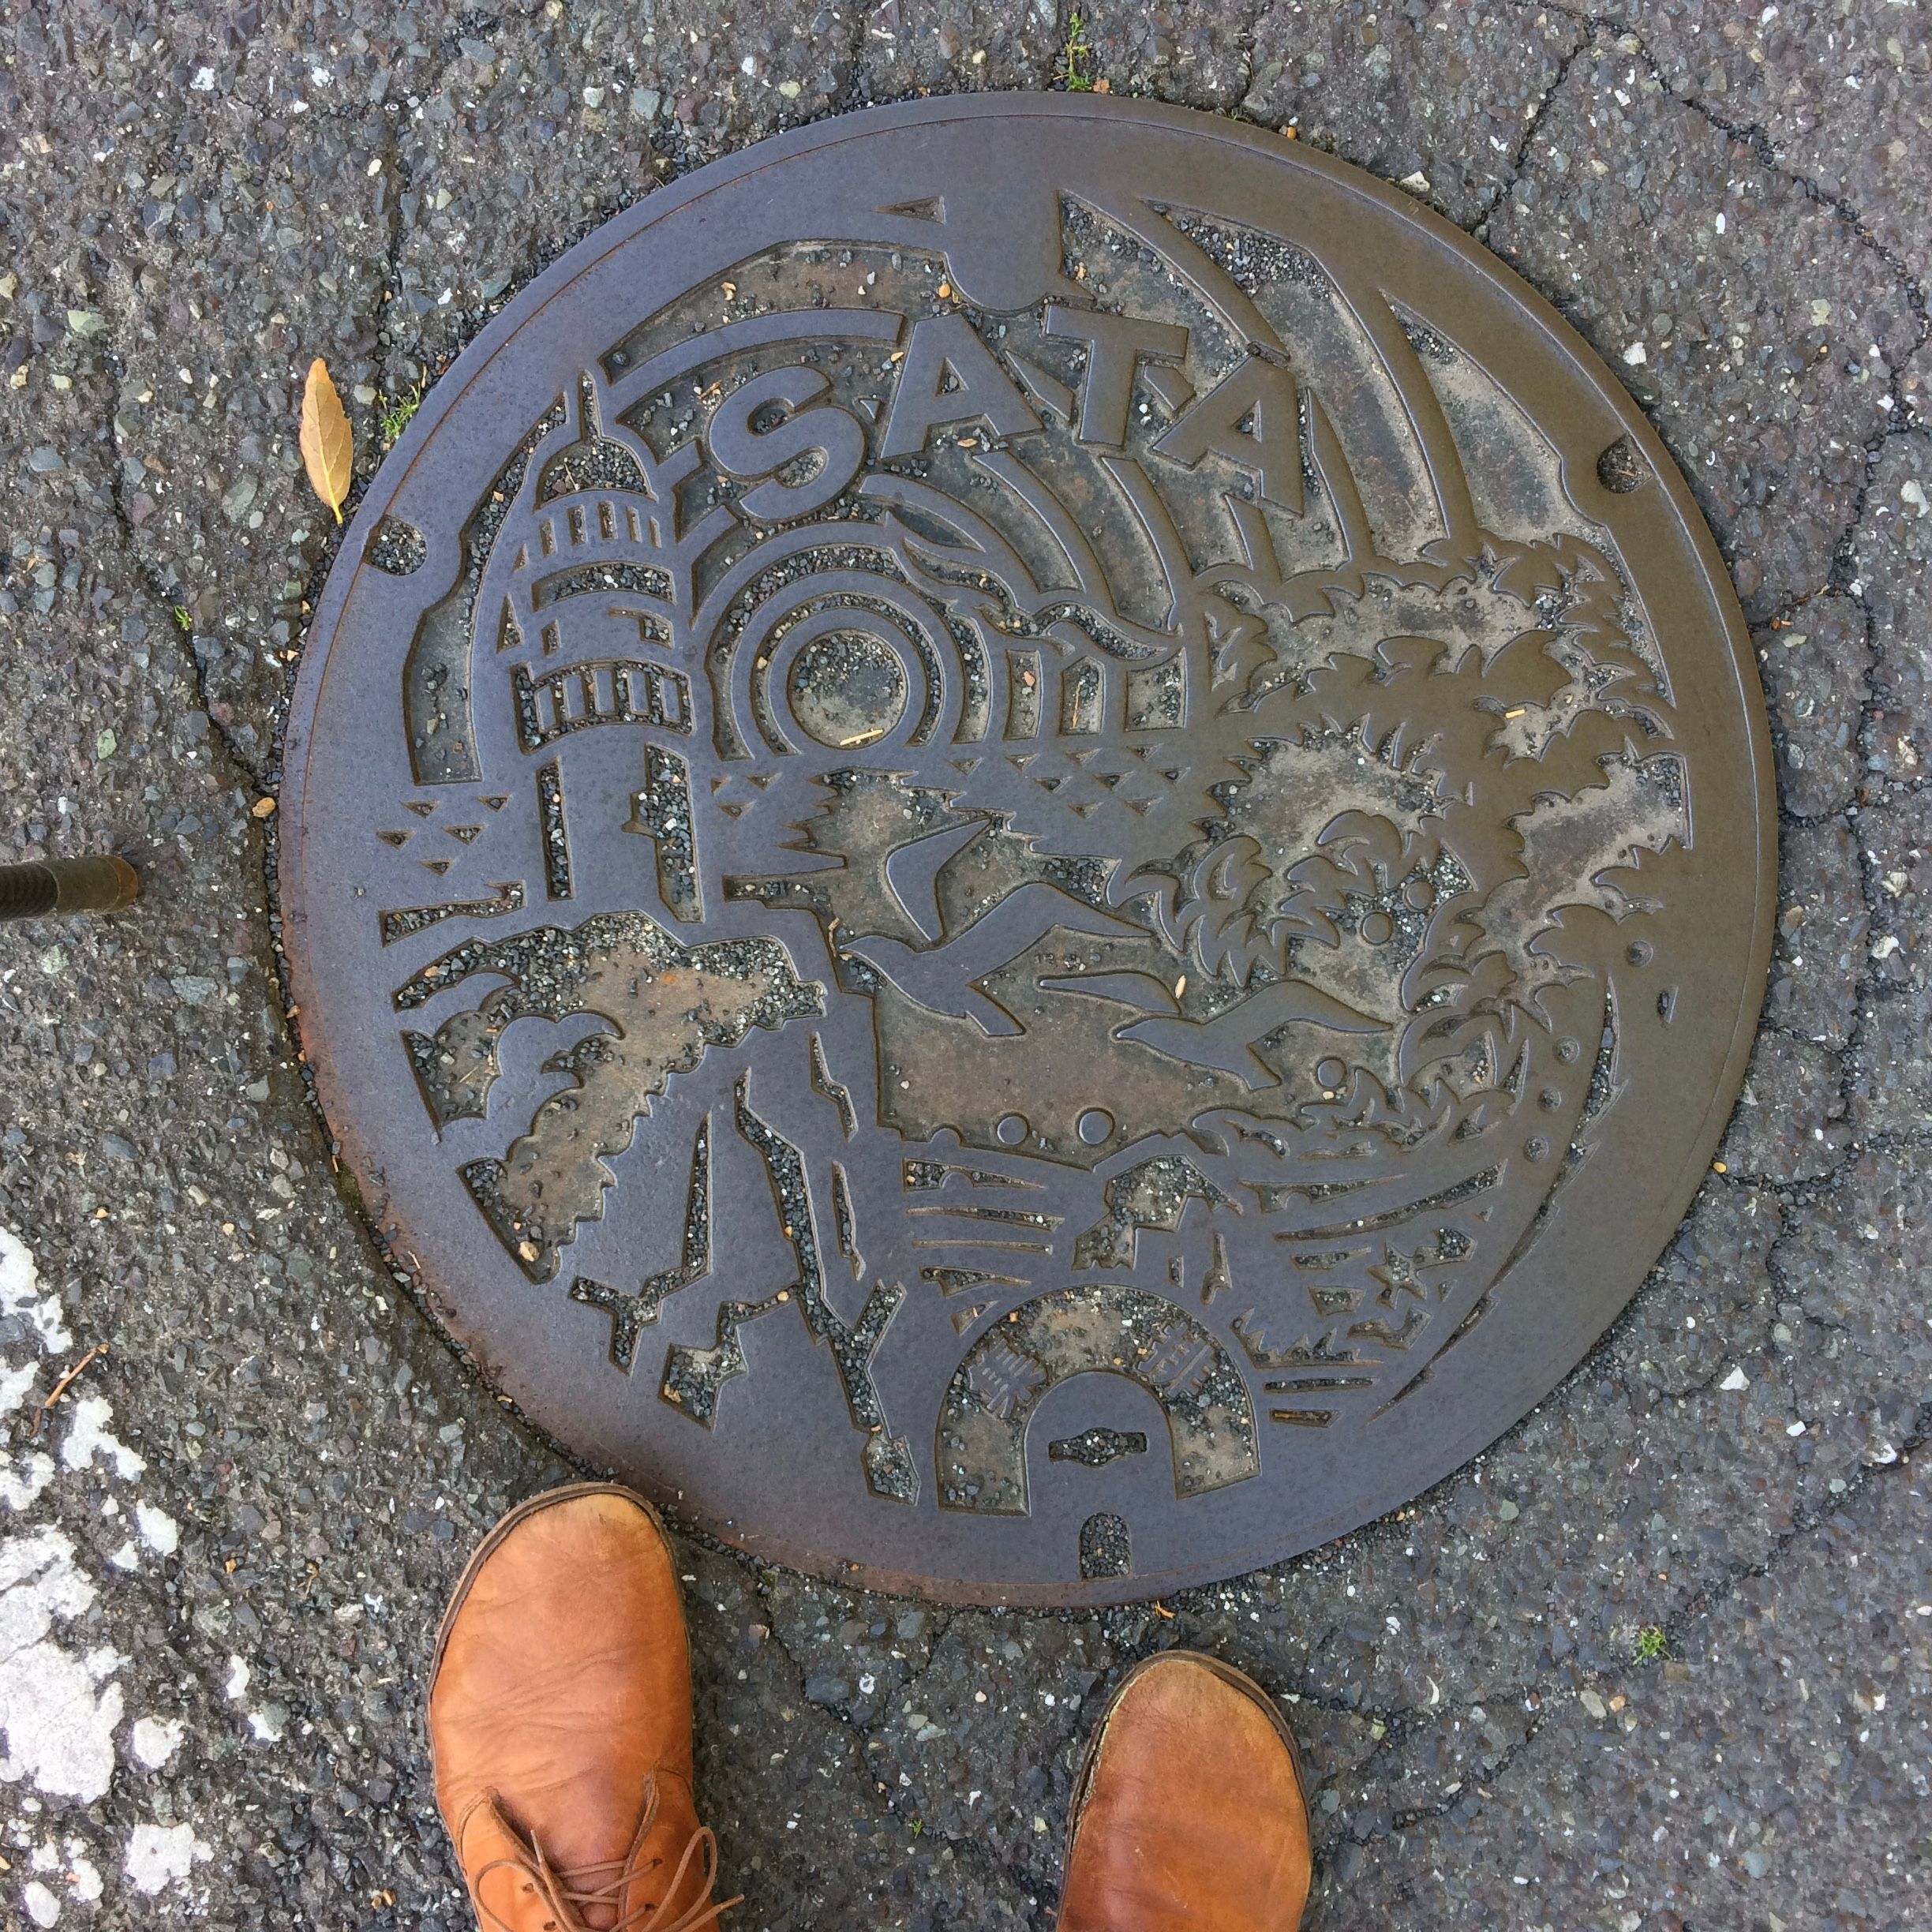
1153	1194
405	922
1142	1337
666	1004
1095	1448
662	812
693	1377
1106	1546
632	1310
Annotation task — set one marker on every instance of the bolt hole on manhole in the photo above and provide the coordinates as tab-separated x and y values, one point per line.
1016	866
397	548
1619	469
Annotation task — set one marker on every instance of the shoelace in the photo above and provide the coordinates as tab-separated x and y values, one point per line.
603	1882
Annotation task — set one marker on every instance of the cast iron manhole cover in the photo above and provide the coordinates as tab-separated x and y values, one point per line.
1027	849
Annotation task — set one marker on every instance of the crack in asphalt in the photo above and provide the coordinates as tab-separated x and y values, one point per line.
1519	160
1678	1626
155	591
1759	140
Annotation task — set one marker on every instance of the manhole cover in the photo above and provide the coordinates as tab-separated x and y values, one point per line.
1027	849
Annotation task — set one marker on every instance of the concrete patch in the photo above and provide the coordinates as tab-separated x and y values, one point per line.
89	1440
20	1292
58	1710
160	1855
155	1741
159	1529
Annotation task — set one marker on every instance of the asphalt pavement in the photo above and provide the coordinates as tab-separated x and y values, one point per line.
1660	1659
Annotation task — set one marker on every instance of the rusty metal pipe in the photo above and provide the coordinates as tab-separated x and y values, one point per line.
48	887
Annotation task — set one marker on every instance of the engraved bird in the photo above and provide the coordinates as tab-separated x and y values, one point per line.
1227	1041
940	977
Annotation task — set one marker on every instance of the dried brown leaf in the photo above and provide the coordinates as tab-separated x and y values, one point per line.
327	447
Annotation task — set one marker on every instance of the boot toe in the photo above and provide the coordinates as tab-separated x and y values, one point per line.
1190	1812
560	1694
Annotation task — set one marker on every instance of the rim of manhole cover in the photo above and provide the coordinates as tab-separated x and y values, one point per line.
1028	849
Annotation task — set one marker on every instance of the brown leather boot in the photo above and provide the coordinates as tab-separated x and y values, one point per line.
1190	1815
561	1723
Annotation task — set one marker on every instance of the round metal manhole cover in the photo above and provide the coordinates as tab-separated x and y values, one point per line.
1027	849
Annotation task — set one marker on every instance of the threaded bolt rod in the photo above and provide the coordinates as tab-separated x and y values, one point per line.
49	887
